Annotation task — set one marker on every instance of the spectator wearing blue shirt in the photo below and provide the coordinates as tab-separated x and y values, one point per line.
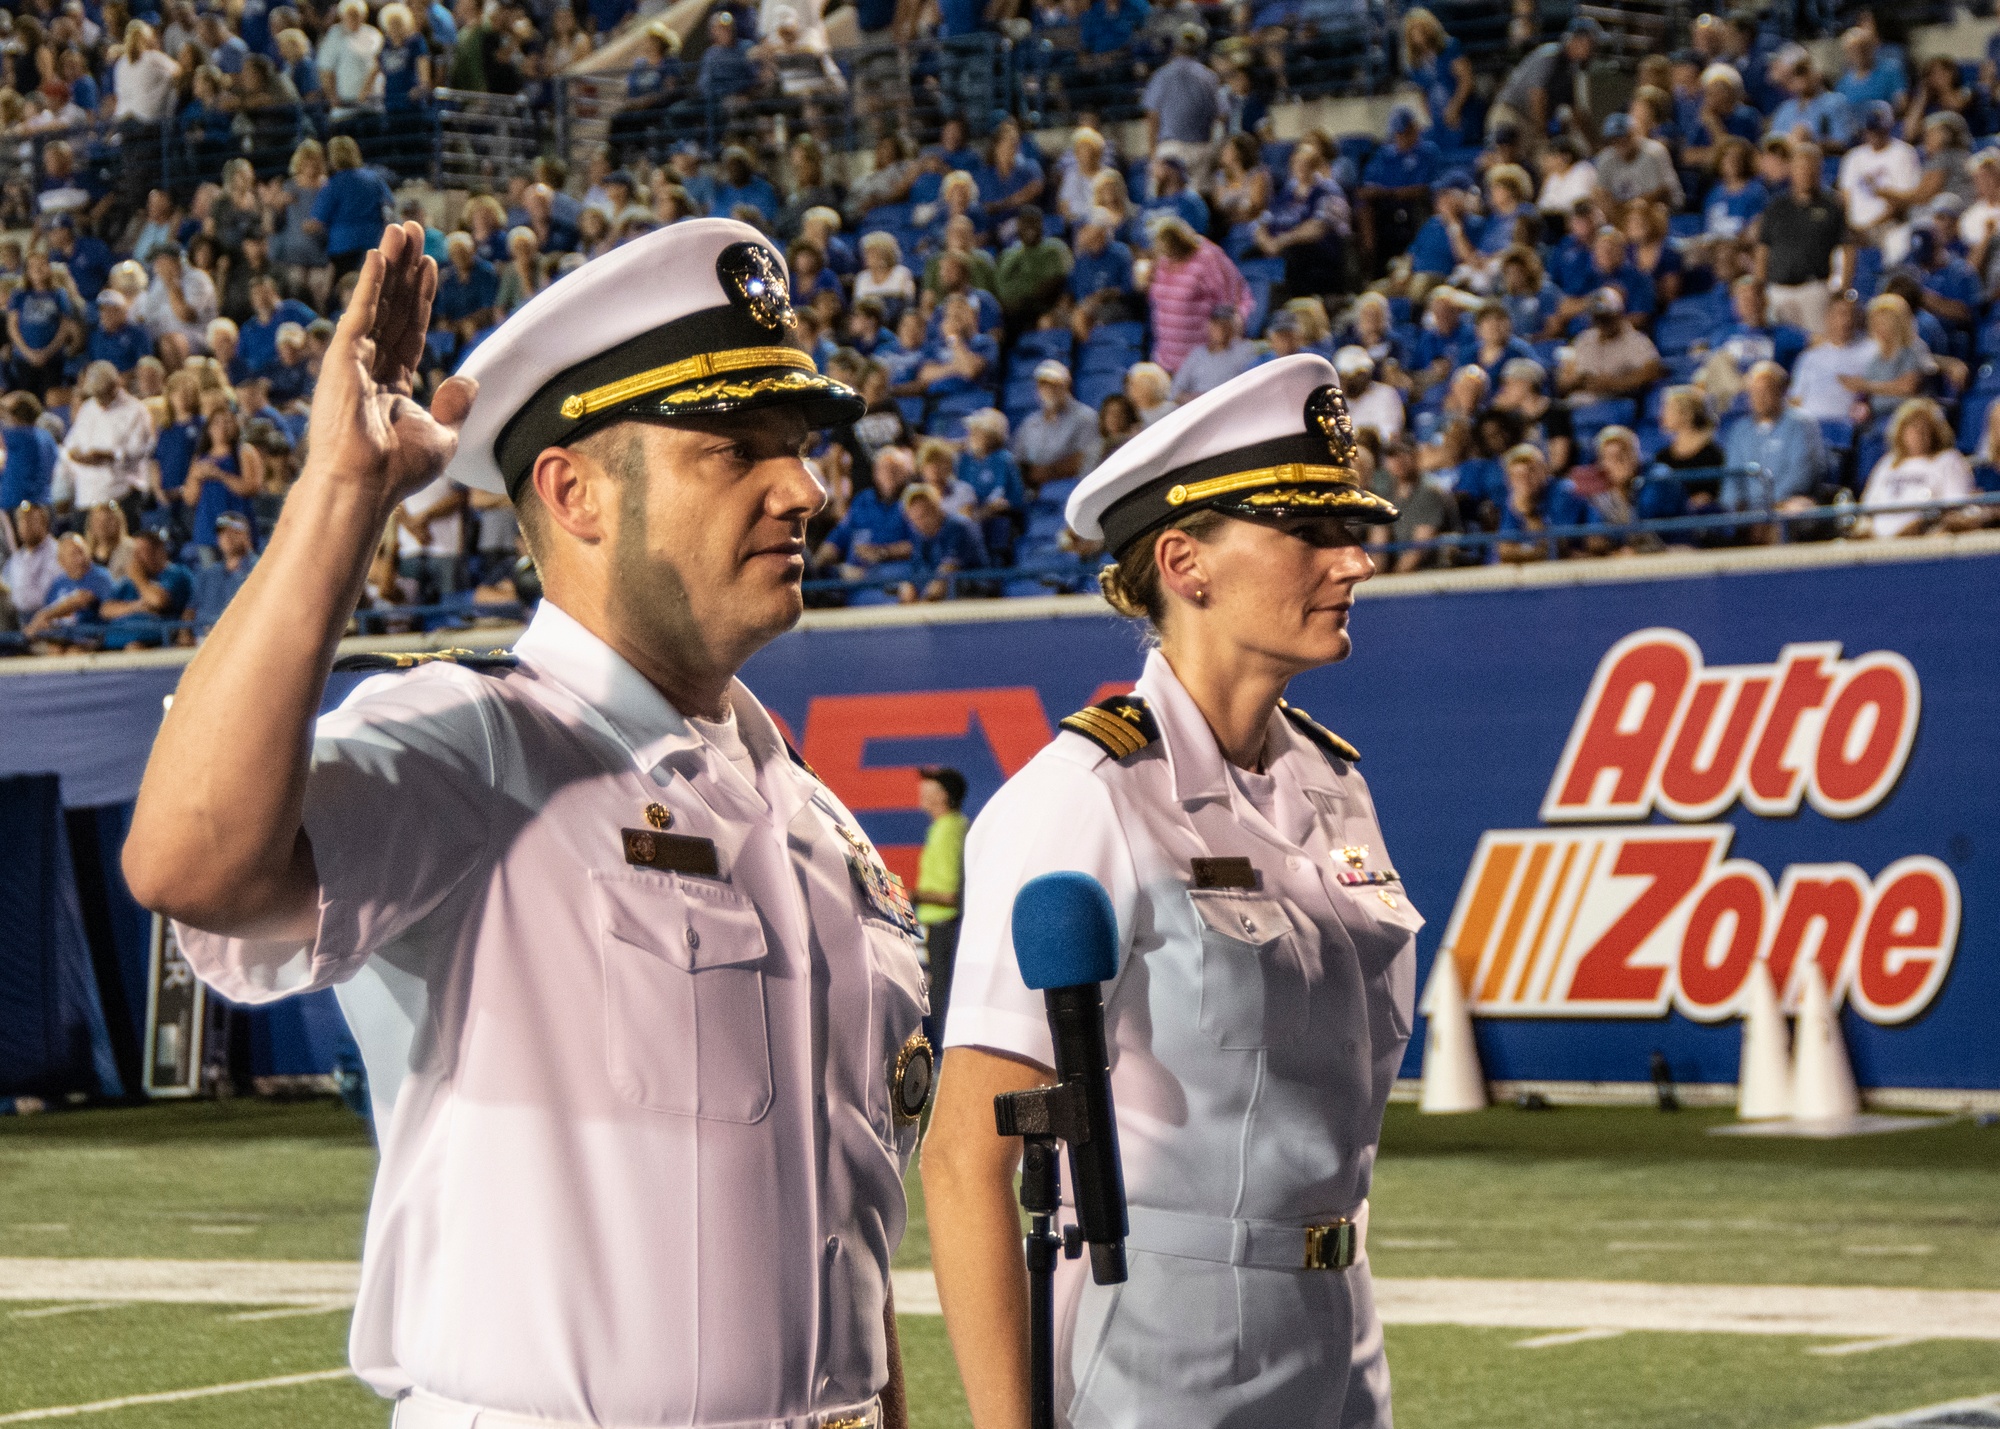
180	441
959	17
1570	265
1167	178
1445	341
1824	115
38	315
1432	251
404	62
30	469
467	289
874	533
941	544
115	338
258	337
962	361
1307	224
1737	196
225	51
217	582
73	596
1611	266
725	74
1870	74
158	591
290	372
1396	185
1494	342
1525	513
1751	337
352	208
1952	292
1102	263
88	258
1532	300
1718	115
993	473
1611	492
741	185
1786	447
1108	27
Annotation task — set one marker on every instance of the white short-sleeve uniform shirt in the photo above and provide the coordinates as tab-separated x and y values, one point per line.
639	1164
1254	1034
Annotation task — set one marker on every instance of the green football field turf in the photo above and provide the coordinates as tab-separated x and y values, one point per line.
1566	1194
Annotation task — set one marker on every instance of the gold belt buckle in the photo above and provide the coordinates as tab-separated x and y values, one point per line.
851	1421
1331	1246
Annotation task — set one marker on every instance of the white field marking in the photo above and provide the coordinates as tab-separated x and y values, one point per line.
916	1292
172	1396
222	1230
1820	1311
1392	1243
1567	1337
1862	1347
1930	1414
289	1312
1887	1249
186	1282
1646	1245
40	1228
77	1308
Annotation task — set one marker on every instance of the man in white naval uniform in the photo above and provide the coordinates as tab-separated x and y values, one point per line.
1267	966
639	1004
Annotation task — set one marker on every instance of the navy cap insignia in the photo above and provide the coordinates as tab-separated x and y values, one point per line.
1326	414
754	282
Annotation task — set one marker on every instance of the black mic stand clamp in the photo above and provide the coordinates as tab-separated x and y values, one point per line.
1040	1118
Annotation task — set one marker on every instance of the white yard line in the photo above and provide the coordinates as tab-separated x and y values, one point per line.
1862	1347
1848	1313
1932	1414
1566	1337
172	1396
83	1308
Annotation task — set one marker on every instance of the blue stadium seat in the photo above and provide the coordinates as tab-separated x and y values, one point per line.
1093	387
1042	343
1057	492
1838	435
1868	271
1683	325
1685	225
1989	340
1590	418
1972	420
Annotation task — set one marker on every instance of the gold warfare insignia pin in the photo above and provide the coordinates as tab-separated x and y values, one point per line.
1387	897
1355	855
659	816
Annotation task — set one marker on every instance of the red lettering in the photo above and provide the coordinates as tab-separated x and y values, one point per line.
1832	905
1845	785
1705	982
1908	942
1622	729
1675	866
1695	791
1773	786
839	727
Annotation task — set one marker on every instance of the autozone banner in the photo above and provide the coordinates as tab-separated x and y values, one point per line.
1608	799
1625	919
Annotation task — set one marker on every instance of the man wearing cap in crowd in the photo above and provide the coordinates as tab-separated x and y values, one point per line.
1060	438
1183	104
1553	76
115	338
638	1001
1877	173
1395	184
1610	358
1267	954
1371	404
1433	254
33	567
1224	355
1635	167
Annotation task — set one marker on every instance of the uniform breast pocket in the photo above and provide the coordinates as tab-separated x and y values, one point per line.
684	1024
898	1003
1253	977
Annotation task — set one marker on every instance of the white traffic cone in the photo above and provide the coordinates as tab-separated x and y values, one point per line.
1822	1081
1452	1079
1764	1084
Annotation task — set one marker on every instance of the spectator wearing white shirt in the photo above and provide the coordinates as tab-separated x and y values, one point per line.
1568	178
1839	351
180	300
1920	465
1881	164
1979	225
1226	354
430	539
33	567
348	57
1369	403
110	439
143	79
883	277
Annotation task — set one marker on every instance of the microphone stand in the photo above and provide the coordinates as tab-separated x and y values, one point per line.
1041	1117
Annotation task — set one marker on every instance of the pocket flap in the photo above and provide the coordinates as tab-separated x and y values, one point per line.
693	924
1245	917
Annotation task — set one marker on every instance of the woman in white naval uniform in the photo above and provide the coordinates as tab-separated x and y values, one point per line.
1267	961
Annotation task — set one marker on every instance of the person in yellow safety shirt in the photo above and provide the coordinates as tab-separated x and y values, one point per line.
941	874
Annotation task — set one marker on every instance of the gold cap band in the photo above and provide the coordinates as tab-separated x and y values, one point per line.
707	364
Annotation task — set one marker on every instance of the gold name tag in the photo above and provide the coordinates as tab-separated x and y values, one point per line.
671	853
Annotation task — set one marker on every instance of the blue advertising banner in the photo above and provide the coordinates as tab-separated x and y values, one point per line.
1610	800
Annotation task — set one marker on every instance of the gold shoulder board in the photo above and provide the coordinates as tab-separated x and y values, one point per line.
1331	744
1120	726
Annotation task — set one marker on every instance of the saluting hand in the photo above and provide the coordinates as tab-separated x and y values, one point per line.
367	431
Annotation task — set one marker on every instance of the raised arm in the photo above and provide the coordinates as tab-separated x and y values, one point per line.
218	838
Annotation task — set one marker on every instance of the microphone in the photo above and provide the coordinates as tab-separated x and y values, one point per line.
1066	942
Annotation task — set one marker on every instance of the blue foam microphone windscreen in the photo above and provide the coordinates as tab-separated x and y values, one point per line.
1065	931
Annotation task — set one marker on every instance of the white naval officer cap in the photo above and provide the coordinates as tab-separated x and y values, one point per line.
1273	442
688	320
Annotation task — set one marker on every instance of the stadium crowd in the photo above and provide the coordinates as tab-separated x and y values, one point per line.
1720	313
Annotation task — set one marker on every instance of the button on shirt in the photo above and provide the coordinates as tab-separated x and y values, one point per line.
638	1160
1254	1034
